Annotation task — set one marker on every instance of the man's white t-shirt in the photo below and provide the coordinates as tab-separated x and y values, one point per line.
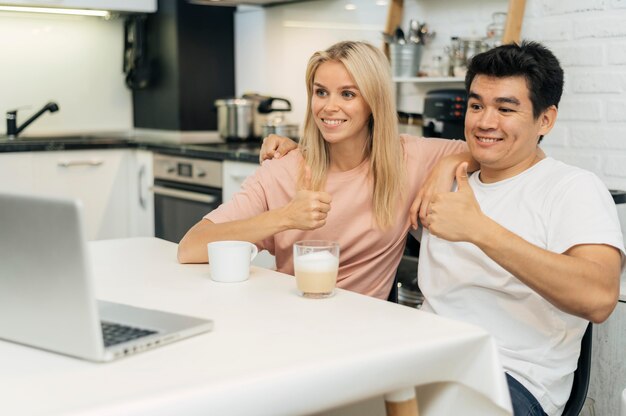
553	206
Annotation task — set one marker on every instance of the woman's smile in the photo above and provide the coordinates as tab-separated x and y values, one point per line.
333	122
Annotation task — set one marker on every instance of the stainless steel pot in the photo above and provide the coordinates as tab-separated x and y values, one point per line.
266	109
240	119
235	118
287	130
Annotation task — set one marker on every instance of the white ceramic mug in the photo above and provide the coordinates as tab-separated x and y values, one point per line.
229	261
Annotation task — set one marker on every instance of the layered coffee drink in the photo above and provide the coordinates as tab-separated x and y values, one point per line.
316	264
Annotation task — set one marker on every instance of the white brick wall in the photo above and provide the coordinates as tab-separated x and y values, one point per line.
589	38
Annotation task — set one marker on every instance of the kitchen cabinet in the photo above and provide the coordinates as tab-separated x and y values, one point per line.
16	173
608	366
99	178
113	185
145	6
233	175
192	46
141	200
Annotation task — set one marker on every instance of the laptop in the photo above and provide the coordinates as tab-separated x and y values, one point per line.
47	290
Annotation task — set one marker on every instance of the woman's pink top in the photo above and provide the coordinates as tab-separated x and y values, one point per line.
369	255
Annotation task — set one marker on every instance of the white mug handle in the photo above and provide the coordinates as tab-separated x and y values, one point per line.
255	251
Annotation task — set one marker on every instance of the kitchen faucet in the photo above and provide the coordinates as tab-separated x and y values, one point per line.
13	130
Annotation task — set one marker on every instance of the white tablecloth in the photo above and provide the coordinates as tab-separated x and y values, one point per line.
271	352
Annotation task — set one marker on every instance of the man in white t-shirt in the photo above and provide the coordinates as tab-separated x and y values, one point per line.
527	247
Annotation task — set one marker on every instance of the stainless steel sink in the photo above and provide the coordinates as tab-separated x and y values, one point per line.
47	138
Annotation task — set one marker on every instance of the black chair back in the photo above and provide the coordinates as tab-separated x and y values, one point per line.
581	376
393	293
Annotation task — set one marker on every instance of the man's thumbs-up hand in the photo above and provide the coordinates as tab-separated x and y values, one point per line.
461	178
455	216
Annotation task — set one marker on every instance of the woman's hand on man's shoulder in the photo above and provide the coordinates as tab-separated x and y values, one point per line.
275	147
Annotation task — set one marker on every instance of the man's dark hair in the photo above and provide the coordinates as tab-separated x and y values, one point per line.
533	61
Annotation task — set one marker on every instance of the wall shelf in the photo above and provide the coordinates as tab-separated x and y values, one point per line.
429	80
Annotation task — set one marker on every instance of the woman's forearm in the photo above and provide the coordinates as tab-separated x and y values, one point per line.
192	247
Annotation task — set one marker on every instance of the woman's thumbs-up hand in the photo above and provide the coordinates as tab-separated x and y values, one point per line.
308	209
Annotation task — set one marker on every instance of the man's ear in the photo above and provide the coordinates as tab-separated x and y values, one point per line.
547	120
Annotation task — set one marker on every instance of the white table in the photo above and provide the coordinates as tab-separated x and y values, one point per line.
271	352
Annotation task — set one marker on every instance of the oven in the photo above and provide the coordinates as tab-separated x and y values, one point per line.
185	189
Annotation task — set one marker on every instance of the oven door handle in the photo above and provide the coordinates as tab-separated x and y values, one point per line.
176	193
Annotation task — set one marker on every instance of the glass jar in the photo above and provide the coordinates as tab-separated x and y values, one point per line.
495	29
456	60
471	47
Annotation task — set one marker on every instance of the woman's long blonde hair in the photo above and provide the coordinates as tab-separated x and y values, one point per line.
369	68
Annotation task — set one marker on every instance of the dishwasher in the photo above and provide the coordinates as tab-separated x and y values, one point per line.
185	190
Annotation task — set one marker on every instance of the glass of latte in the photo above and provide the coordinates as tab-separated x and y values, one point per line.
316	263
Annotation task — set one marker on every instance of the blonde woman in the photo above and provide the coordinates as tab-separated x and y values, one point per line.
352	179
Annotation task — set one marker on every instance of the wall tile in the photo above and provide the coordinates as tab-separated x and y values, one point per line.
589	137
572	6
575	109
600	26
597	82
575	54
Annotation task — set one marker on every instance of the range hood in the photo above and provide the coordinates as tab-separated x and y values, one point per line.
117	6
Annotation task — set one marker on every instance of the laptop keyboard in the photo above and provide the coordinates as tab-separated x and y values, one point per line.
114	334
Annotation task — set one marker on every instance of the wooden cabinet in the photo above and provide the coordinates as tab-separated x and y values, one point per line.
233	175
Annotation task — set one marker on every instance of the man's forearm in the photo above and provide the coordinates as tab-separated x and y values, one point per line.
584	281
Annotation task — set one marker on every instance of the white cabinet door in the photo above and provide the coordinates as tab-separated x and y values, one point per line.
99	178
16	172
141	199
233	175
608	363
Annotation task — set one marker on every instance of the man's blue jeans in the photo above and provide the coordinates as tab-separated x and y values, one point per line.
524	403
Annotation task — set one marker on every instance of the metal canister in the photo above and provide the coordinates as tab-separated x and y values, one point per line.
235	118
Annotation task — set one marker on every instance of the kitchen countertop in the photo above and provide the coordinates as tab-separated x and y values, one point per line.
214	149
242	152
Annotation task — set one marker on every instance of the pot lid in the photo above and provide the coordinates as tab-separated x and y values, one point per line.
234	102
